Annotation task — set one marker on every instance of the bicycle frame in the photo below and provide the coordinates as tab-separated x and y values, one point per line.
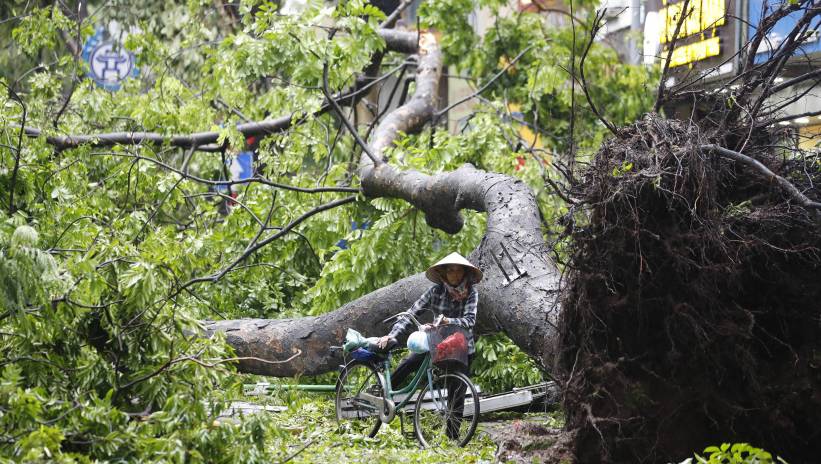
390	393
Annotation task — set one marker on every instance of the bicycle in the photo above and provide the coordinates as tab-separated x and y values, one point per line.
365	399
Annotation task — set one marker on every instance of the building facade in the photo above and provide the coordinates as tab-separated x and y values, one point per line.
705	55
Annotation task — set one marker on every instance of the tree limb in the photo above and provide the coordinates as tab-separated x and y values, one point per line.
400	41
250	180
250	250
783	183
486	85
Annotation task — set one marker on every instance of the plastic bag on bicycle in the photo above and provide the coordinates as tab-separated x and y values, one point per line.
448	343
354	340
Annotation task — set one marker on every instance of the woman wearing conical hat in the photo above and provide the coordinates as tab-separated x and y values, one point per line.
453	297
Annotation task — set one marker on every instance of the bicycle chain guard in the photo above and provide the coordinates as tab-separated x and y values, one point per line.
387	417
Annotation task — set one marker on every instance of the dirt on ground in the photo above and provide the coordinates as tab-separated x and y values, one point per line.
527	439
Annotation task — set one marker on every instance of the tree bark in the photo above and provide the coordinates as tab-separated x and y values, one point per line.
520	298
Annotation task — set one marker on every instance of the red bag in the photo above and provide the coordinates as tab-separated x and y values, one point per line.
452	348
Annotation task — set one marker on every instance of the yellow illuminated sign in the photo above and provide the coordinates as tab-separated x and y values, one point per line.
695	52
704	14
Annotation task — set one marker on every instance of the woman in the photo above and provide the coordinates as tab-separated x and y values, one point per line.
455	298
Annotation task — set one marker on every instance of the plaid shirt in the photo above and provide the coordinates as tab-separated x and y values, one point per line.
437	299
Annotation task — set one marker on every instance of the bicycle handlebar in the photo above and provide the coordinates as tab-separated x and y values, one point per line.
436	322
407	314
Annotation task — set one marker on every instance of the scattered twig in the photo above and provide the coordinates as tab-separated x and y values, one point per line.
672	46
300	450
341	115
762	32
244	358
390	21
76	49
789	117
249	251
157	209
250	180
485	86
19	150
193	359
795	80
597	25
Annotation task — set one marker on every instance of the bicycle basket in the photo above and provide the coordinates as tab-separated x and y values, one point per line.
448	343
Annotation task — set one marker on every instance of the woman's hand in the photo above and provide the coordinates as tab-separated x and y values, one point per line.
441	320
385	341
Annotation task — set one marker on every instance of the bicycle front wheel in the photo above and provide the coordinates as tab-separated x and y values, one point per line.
359	396
448	413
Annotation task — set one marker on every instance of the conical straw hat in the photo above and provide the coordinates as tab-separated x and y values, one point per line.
454	258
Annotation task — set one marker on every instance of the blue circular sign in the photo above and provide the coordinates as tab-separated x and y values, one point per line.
109	62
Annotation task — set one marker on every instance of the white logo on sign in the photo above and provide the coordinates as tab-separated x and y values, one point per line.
110	64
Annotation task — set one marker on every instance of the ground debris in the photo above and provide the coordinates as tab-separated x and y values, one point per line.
536	438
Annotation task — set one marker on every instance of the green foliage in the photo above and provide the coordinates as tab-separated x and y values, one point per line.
310	426
500	365
99	358
538	84
736	453
65	394
27	274
452	18
40	29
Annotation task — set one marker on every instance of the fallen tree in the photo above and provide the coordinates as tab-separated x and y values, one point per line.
521	286
525	309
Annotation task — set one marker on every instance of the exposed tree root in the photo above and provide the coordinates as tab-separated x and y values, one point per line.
691	313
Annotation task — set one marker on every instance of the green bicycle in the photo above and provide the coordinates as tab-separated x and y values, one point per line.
365	399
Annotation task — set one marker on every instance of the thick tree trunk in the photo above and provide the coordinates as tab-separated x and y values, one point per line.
525	308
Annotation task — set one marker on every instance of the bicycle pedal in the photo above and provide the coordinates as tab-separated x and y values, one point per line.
410	435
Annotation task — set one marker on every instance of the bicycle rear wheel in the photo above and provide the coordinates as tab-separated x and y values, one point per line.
443	415
359	396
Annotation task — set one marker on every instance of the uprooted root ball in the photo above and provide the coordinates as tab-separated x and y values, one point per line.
693	302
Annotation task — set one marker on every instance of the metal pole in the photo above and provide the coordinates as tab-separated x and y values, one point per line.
300	387
635	31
